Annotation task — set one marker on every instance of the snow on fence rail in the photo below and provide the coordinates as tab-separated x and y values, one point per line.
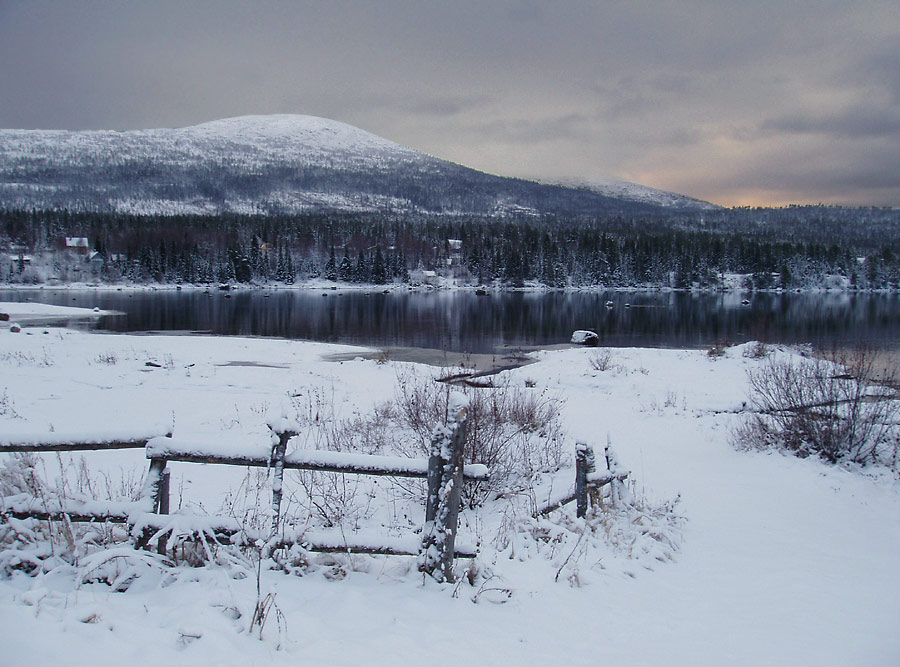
73	441
193	451
54	508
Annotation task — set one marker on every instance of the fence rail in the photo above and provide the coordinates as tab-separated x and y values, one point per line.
37	441
192	451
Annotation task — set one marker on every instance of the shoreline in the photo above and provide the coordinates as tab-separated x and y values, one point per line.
329	286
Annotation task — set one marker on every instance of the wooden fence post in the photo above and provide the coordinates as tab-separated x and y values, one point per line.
278	450
163	508
153	490
615	486
585	465
581	473
453	478
435	473
154	482
445	479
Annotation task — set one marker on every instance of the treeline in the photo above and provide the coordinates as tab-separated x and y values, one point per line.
785	248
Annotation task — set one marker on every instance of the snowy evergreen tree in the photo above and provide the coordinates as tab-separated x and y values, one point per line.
330	271
345	270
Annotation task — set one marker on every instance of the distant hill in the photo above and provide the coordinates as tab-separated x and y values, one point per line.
280	164
635	192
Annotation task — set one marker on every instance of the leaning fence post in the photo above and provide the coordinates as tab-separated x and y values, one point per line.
445	479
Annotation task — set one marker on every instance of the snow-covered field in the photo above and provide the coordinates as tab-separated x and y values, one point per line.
776	561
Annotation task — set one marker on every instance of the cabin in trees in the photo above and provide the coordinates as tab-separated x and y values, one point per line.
78	244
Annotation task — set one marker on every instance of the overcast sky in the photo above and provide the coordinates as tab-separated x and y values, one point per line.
735	101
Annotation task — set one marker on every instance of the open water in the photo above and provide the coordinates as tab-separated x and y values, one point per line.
461	321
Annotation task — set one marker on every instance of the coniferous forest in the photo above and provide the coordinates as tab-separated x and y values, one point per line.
795	247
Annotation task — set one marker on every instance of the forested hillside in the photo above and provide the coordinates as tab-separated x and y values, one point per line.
798	247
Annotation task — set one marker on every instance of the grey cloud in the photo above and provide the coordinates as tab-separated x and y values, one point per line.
565	127
638	93
449	106
849	123
880	68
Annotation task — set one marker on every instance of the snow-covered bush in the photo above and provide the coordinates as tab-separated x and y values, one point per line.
757	350
18	475
841	407
24	544
630	532
32	545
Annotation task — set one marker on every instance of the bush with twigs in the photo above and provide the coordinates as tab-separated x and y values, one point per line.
840	407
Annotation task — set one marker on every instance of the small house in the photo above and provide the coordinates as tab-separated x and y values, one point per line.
422	277
78	244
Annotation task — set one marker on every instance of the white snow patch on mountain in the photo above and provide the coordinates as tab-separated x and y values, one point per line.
644	194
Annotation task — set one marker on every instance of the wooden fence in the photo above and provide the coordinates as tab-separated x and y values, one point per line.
444	472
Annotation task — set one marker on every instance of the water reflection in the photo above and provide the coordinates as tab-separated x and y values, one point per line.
465	322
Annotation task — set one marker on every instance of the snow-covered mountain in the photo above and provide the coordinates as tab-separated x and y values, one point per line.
273	164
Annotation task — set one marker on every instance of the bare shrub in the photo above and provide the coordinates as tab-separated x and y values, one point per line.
19	359
7	408
332	498
839	407
109	358
602	360
515	432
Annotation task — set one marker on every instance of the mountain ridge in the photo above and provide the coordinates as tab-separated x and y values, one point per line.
282	163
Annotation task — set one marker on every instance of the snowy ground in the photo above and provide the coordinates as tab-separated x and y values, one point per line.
778	561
